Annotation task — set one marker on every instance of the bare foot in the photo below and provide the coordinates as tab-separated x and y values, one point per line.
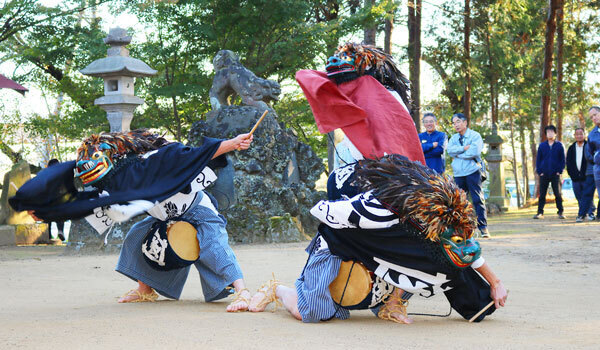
400	318
395	311
136	296
264	296
289	298
260	300
143	293
241	301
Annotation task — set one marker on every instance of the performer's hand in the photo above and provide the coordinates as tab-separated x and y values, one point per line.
435	144
499	294
32	214
242	141
467	147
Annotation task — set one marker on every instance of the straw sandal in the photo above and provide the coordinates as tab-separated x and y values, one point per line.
237	297
268	289
141	298
386	311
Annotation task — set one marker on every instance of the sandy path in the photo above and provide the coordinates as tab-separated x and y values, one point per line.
53	301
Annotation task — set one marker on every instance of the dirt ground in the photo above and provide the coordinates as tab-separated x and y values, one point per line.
551	267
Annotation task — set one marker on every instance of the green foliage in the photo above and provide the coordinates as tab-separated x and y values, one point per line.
274	39
295	112
507	45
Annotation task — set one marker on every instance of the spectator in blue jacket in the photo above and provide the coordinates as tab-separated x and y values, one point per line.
592	151
549	164
434	143
583	180
465	148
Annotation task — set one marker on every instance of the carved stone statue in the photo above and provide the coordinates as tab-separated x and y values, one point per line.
233	78
267	191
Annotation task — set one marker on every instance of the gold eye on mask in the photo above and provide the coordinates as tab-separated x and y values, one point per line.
96	155
457	239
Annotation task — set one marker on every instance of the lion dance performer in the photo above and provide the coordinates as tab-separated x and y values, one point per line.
126	174
390	228
365	95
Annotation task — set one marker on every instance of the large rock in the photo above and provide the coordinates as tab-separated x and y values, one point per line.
35	233
13	180
83	239
273	181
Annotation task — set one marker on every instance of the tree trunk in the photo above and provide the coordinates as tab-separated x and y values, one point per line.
492	77
177	119
514	152
414	59
524	162
559	68
456	102
533	148
389	28
547	68
467	60
371	30
581	118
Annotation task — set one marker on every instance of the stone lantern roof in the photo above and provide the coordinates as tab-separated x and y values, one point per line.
118	62
119	72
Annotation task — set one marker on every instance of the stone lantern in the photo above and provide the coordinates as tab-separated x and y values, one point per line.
496	170
118	71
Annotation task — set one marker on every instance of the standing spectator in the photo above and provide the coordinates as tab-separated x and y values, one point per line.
434	143
465	148
549	165
60	225
592	151
583	180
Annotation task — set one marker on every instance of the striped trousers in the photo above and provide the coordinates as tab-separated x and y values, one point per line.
216	265
314	300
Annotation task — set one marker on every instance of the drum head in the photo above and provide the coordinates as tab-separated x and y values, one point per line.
183	240
358	284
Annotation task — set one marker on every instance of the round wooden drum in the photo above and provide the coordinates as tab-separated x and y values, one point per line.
357	282
183	240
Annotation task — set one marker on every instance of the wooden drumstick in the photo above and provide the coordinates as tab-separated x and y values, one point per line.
483	310
259	121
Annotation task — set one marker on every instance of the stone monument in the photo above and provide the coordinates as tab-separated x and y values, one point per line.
21	228
118	71
496	170
265	192
119	101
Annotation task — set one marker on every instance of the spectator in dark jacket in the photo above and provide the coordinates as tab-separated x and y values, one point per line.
592	149
549	165
433	143
583	184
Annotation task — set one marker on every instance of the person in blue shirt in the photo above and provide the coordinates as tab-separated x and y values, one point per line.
433	143
592	149
549	164
465	148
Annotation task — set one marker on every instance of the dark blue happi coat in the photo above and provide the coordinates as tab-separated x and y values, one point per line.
53	196
404	246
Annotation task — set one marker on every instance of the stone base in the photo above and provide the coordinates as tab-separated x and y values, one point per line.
285	229
271	186
32	234
7	235
83	239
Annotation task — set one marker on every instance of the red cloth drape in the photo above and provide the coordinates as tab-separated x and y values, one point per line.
9	84
369	115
